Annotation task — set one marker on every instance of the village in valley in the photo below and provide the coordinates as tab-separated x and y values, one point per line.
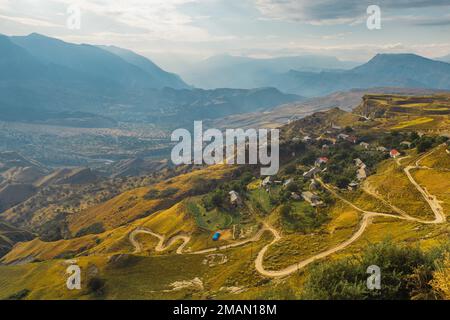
317	153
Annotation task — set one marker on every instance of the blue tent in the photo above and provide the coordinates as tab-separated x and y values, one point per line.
216	236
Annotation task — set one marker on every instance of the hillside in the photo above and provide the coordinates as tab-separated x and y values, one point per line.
282	115
96	63
220	71
37	73
384	70
10	235
163	78
140	240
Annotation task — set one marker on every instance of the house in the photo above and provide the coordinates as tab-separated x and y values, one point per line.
235	199
353	185
364	145
266	182
343	136
406	144
295	196
311	172
335	127
311	198
325	147
307	139
287	182
296	139
314	185
358	162
352	139
362	172
321	160
382	149
394	153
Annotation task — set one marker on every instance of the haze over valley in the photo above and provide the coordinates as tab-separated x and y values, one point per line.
359	121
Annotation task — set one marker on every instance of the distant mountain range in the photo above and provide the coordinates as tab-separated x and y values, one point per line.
284	114
445	58
384	70
48	80
313	76
108	65
226	71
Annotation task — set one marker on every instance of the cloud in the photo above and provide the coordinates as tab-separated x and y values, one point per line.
156	19
434	22
29	21
320	12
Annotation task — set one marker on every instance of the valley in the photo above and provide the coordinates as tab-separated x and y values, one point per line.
237	156
341	191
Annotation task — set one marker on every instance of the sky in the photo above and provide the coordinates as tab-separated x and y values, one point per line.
174	33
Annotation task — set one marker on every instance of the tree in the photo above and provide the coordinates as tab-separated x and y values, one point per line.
424	145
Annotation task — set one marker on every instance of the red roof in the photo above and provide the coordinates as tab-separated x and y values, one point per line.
394	152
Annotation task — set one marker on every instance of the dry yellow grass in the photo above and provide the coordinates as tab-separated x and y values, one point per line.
413	122
439	159
437	183
132	205
391	183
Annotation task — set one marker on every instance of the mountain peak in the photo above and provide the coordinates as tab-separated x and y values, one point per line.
395	57
36	35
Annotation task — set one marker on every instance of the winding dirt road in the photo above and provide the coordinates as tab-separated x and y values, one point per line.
161	246
366	220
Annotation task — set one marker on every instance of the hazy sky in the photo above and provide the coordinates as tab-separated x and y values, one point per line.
174	31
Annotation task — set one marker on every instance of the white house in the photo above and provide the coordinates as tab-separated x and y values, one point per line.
311	172
358	162
235	199
287	182
311	198
295	196
406	144
267	181
362	173
364	145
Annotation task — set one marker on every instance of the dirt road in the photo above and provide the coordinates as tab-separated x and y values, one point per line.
366	220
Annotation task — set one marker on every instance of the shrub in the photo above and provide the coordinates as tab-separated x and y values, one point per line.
95	228
168	192
406	273
19	295
152	194
96	286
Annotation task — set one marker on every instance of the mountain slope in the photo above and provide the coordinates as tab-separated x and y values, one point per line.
92	61
445	58
10	235
225	71
50	81
165	79
384	70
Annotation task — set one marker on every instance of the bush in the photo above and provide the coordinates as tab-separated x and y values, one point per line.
152	194
168	192
19	295
424	145
95	228
96	286
406	273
